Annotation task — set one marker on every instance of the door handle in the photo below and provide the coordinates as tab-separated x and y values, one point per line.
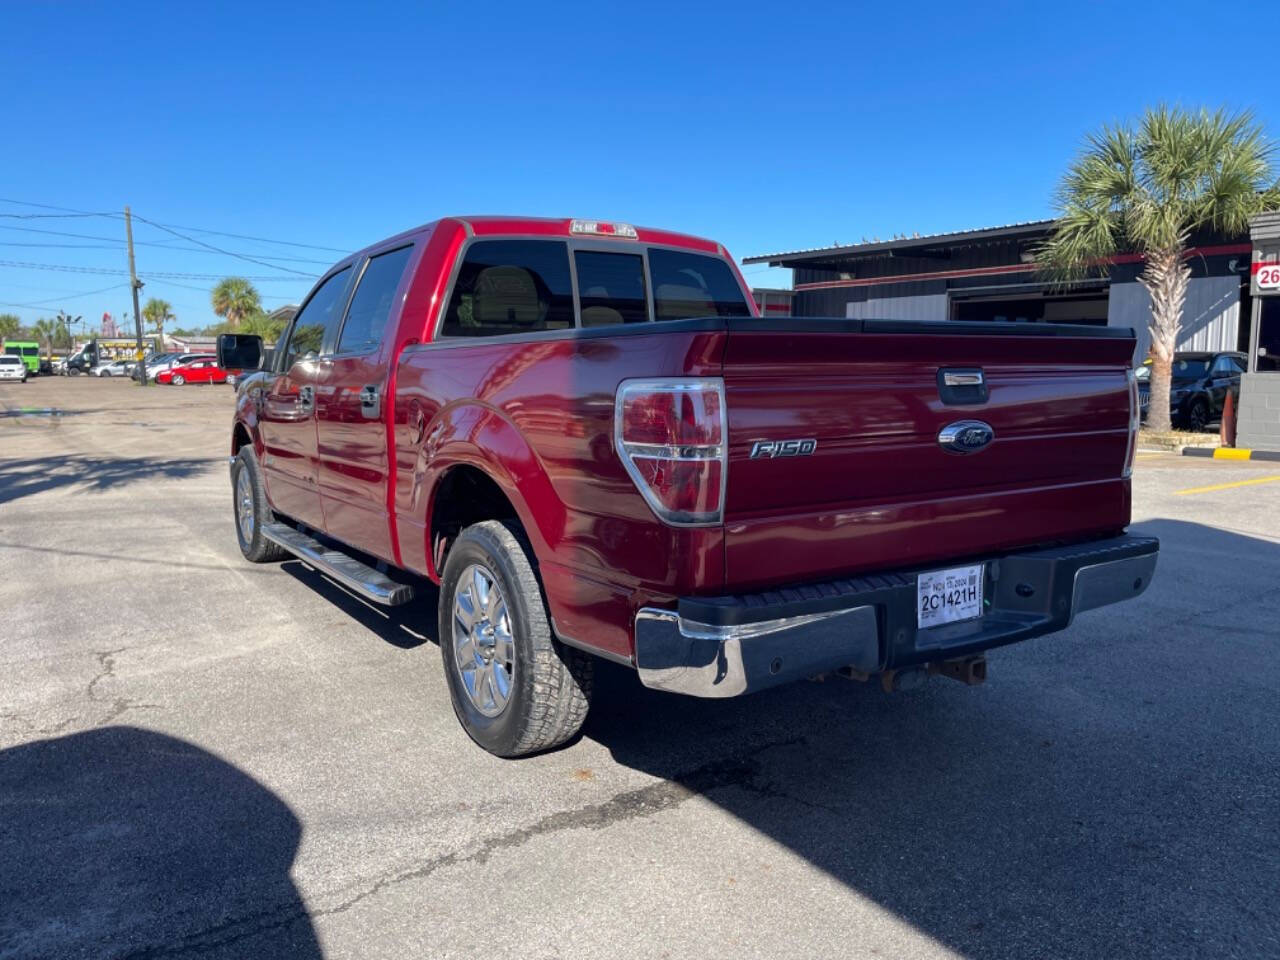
306	399
369	397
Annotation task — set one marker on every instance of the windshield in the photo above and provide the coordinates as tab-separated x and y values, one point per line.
1189	368
8	360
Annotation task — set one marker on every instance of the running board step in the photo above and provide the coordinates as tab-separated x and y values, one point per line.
347	570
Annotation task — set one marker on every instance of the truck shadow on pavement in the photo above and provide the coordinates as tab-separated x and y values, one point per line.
28	477
1112	791
407	626
123	842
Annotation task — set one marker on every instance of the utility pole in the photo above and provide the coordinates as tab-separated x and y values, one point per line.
135	285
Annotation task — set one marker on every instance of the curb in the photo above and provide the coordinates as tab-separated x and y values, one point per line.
1231	453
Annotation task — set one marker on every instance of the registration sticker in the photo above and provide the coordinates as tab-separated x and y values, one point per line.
948	596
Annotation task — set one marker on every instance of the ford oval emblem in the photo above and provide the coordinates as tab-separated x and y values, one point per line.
965	436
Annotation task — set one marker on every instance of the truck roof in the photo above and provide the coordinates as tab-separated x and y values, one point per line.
498	225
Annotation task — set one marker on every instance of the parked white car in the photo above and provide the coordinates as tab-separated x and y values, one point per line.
115	368
12	368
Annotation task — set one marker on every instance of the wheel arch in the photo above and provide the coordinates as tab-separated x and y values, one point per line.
467	493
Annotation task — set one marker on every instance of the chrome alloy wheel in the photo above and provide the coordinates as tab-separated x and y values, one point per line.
244	505
484	650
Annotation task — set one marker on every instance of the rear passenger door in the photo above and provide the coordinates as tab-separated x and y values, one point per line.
351	405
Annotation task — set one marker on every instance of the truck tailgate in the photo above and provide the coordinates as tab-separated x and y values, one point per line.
877	491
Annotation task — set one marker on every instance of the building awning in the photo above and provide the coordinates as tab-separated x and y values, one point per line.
907	246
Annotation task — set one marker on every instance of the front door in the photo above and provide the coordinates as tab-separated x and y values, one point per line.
351	406
286	420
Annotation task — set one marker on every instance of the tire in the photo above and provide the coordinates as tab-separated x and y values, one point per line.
548	684
249	495
178	380
1197	415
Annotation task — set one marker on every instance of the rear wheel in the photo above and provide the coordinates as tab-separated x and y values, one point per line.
515	688
1198	415
249	500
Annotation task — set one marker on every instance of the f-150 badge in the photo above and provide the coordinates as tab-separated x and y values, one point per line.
782	448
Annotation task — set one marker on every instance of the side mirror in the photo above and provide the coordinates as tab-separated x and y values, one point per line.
239	351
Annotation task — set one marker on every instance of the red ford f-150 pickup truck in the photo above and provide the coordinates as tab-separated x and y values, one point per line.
587	437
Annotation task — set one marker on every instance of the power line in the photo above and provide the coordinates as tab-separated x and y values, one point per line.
229	253
71	296
218	233
143	243
241	236
113	272
59	246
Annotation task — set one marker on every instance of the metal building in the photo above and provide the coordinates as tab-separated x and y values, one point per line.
990	275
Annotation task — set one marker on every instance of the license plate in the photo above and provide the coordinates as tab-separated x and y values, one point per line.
948	596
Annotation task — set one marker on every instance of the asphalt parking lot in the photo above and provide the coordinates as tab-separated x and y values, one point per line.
199	756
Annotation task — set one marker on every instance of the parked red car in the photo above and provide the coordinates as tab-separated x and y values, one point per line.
588	437
200	370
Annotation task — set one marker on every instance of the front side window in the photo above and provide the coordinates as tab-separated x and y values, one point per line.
371	305
611	288
687	285
511	286
317	322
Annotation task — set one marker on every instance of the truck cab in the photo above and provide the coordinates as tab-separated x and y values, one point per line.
83	360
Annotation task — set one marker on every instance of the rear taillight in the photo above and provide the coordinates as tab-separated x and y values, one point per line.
1135	416
672	436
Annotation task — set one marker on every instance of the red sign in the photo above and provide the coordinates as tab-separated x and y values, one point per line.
1267	275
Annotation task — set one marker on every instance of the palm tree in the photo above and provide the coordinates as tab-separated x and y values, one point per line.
234	299
45	331
1147	190
158	312
10	324
264	326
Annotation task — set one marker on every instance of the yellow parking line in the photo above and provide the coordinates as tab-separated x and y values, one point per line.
1227	486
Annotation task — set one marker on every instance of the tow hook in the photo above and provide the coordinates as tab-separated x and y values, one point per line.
908	678
968	670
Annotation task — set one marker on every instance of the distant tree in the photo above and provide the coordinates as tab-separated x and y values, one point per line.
268	328
10	324
44	329
1146	190
235	299
158	312
64	336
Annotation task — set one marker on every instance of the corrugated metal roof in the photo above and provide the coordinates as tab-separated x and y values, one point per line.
1009	230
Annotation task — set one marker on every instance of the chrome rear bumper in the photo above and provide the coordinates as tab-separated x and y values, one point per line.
728	646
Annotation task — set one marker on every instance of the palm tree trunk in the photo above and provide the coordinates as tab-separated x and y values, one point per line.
1165	278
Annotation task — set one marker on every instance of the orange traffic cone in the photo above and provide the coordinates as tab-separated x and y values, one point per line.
1228	429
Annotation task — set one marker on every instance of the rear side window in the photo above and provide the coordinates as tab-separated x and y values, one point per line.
317	322
687	285
611	288
511	286
372	303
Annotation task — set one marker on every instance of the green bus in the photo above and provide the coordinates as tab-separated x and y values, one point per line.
28	350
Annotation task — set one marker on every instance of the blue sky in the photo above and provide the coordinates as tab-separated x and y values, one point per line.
768	127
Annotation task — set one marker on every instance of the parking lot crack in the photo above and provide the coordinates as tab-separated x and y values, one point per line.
116	706
644	802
